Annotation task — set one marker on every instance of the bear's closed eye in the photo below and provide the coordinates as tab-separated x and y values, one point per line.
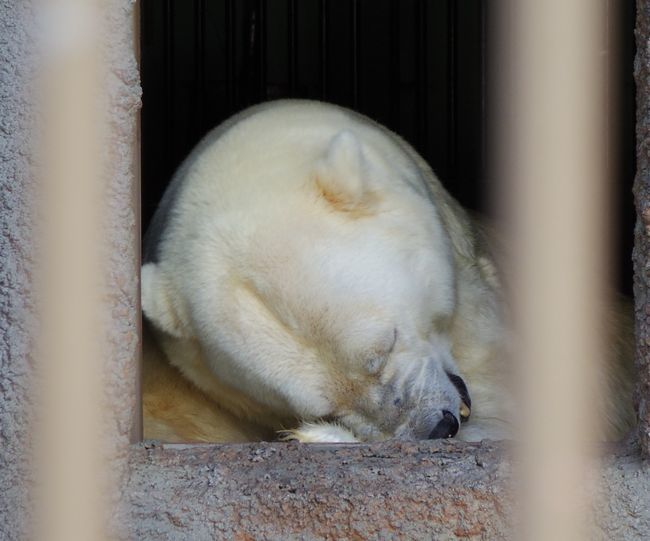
377	361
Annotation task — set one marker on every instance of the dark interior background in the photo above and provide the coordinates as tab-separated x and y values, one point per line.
417	66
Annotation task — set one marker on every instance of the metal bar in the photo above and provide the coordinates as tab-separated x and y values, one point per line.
422	88
452	80
199	63
323	49
248	76
169	84
483	14
230	53
293	42
395	79
261	48
553	155
71	267
355	32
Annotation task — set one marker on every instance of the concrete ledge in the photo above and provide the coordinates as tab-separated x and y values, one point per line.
390	490
624	508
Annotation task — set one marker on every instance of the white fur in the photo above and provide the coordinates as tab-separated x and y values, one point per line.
320	433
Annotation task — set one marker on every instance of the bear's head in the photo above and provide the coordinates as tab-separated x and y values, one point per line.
331	297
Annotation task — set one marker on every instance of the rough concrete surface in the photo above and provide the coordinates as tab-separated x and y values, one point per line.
624	508
290	491
641	255
425	490
122	244
15	256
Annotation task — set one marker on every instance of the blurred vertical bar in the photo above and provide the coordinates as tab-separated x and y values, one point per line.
552	102
293	52
323	48
355	32
70	350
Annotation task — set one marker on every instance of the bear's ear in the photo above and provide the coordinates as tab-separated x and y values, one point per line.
342	173
157	303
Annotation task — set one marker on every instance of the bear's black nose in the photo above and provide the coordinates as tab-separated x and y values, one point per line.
446	428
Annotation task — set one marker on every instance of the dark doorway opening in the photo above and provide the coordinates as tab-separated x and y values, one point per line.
416	66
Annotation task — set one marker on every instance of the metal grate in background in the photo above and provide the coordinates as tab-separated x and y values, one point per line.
417	66
414	65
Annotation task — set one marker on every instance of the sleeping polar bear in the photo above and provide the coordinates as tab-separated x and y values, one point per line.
306	273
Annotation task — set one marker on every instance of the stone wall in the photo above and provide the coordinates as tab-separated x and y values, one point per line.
425	490
642	232
123	242
16	53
